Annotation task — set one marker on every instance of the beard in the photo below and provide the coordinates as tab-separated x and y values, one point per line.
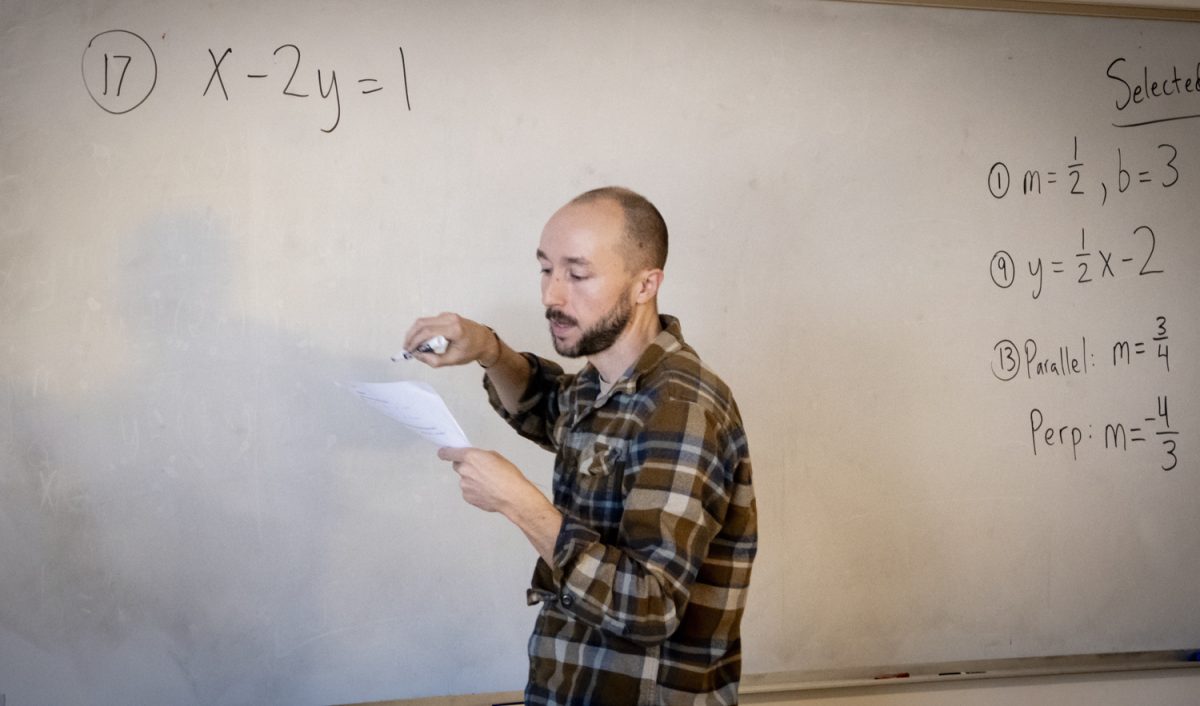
599	337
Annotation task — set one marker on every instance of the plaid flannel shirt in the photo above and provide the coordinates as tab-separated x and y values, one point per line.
643	601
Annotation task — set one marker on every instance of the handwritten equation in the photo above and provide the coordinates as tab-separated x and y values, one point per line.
1132	256
1009	360
1152	431
1128	172
120	71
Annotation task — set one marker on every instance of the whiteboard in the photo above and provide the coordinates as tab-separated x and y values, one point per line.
215	217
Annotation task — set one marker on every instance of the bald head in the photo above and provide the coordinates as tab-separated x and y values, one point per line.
645	241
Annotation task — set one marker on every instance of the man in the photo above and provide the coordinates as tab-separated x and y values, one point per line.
647	546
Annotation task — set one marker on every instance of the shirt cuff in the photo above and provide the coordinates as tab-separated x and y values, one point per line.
551	580
573	539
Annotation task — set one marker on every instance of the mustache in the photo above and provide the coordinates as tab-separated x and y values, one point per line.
560	318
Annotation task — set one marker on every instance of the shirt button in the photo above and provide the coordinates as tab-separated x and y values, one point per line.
567	599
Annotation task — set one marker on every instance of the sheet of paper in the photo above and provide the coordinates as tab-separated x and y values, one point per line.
417	406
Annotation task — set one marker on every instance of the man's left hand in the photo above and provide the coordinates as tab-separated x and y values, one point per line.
491	482
488	480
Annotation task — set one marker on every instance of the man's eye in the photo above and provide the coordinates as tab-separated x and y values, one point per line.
578	277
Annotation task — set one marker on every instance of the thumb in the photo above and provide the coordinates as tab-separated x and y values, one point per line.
452	454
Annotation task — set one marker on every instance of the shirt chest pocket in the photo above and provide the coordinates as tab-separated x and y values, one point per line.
602	457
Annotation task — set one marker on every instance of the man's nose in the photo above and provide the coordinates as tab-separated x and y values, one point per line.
553	291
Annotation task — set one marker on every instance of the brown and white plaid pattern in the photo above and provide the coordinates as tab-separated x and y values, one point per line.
644	599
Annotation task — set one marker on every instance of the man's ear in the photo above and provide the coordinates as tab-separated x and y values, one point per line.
648	284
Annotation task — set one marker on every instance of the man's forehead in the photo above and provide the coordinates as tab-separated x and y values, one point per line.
583	232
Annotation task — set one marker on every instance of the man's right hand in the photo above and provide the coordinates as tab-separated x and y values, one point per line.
469	341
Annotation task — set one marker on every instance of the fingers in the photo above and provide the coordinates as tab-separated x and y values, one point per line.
471	459
423	329
487	480
449	325
456	457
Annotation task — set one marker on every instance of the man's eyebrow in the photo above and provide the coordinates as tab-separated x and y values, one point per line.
570	260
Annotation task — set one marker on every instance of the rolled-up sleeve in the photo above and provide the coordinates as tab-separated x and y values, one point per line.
538	406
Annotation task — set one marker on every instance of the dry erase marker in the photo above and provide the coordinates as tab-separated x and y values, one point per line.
436	345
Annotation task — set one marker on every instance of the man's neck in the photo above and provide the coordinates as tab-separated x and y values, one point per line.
643	328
